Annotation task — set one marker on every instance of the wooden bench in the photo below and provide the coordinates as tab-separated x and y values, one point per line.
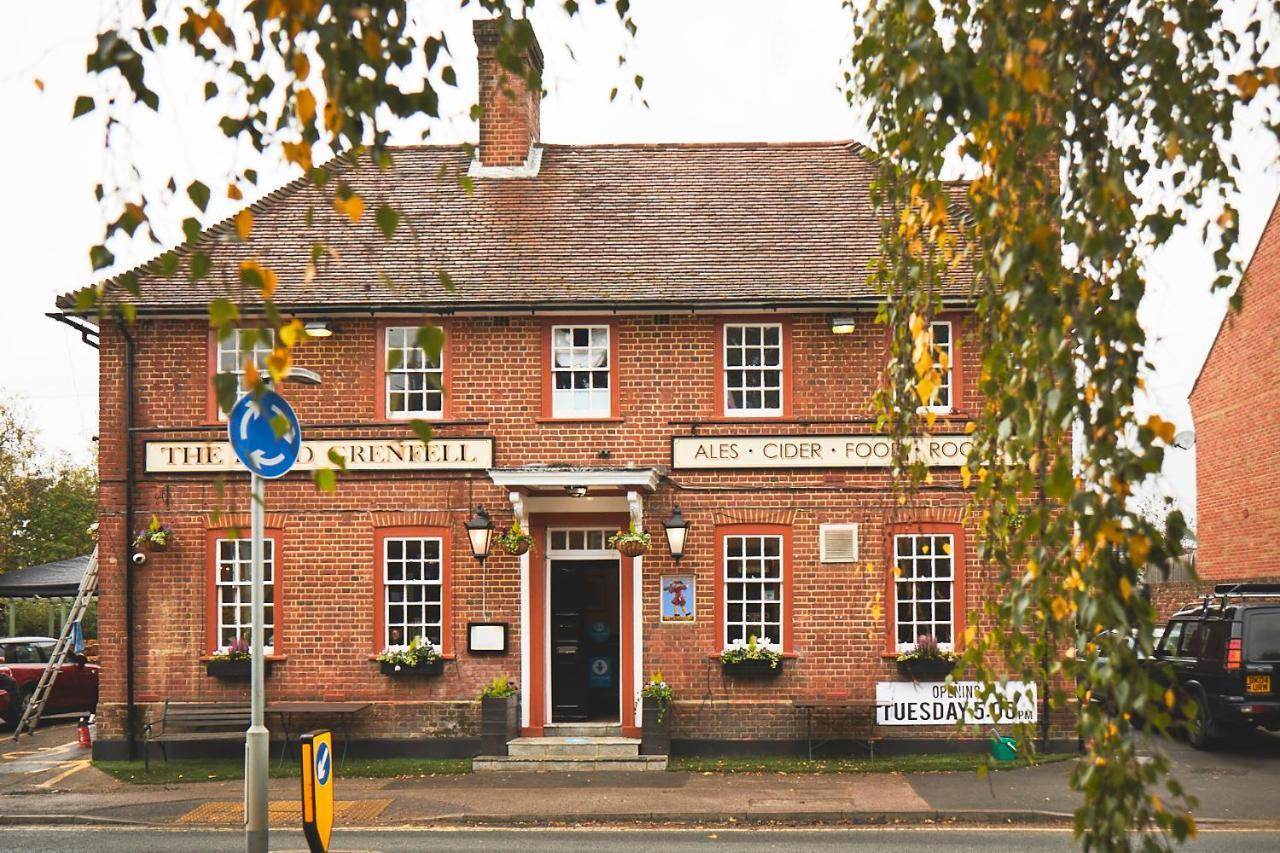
194	721
809	706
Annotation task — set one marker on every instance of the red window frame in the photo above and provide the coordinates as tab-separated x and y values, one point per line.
548	375
380	535
276	535
788	579
958	578
721	408
380	359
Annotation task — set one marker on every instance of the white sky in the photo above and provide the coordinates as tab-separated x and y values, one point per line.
714	71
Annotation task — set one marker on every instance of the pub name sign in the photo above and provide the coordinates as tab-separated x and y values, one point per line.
361	454
813	451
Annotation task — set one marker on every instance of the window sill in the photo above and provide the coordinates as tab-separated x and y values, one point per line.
272	658
715	656
450	656
583	420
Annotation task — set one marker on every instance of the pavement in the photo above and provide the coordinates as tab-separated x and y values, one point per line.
46	780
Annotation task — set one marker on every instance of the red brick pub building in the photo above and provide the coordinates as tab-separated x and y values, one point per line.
634	327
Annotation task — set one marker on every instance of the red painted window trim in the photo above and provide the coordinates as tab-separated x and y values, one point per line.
380	535
276	535
959	572
380	371
788	579
720	403
615	372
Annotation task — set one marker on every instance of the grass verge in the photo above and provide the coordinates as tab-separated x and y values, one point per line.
213	770
887	764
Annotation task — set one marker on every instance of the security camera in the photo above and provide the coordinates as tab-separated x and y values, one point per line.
138	558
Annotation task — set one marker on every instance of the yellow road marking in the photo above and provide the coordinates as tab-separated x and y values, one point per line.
76	767
283	811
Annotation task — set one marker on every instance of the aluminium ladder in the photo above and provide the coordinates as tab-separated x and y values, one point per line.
35	707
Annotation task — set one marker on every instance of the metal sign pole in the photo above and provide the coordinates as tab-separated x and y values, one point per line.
256	742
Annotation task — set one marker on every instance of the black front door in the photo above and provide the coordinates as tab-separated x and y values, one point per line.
584	640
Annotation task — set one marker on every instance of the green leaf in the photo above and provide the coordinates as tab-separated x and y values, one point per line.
422	429
226	387
339	461
200	265
223	314
326	479
431	340
84	104
388	219
100	257
191	229
199	194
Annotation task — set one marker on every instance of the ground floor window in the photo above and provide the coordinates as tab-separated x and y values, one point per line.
413	590
924	588
233	584
753	588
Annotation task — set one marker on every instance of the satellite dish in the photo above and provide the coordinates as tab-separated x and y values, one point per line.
1184	440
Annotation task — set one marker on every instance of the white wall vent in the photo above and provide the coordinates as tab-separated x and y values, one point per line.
838	543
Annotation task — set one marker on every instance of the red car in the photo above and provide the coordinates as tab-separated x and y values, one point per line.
23	660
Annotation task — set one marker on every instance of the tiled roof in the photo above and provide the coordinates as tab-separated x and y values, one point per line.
608	226
50	580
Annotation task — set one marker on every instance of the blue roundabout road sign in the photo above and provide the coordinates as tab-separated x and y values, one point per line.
253	435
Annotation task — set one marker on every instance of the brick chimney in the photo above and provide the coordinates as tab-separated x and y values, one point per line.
510	109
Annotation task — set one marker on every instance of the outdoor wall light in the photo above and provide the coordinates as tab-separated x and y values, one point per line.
576	491
842	325
677	530
319	329
480	531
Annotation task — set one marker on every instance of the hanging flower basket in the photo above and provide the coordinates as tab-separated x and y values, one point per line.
630	543
154	537
515	541
632	549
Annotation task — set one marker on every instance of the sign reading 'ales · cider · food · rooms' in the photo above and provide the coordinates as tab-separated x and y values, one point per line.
812	451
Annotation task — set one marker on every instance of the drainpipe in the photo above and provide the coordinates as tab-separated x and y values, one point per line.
129	486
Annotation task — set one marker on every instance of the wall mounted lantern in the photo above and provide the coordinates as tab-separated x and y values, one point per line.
319	329
842	325
480	532
677	530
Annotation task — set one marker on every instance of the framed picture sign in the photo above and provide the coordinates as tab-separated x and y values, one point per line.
679	598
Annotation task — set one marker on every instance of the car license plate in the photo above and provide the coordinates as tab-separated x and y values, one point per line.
1257	683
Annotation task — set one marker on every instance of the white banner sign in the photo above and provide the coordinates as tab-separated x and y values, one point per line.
906	703
362	454
817	451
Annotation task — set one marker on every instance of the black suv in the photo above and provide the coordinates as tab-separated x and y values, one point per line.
1224	656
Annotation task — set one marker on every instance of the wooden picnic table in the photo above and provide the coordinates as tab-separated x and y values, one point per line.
811	705
341	712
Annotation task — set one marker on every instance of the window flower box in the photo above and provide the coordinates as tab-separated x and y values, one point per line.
927	659
234	670
432	667
752	659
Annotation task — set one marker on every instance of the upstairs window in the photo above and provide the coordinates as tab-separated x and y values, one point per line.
944	398
415	380
753	369
236	348
580	381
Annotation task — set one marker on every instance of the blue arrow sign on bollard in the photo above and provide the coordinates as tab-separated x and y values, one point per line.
254	438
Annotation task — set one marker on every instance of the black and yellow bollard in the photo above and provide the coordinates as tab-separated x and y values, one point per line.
317	789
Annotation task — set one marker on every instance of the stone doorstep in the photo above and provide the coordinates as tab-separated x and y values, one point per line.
582	730
570	748
508	763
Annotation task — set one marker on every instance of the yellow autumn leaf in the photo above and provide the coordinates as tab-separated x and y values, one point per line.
244	224
251	375
1247	83
299	153
1169	697
306	106
1162	428
268	283
1060	608
927	388
1126	588
966	476
278	364
946	547
1139	548
970	634
352	207
301	65
1034	79
39	84
875	612
333	118
292	332
917	325
233	192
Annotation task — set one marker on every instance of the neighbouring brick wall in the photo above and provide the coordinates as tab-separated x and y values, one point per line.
1237	446
667	378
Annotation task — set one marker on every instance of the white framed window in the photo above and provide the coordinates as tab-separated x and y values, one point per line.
753	588
236	348
924	588
580	372
580	541
944	398
414	380
753	368
413	590
233	585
